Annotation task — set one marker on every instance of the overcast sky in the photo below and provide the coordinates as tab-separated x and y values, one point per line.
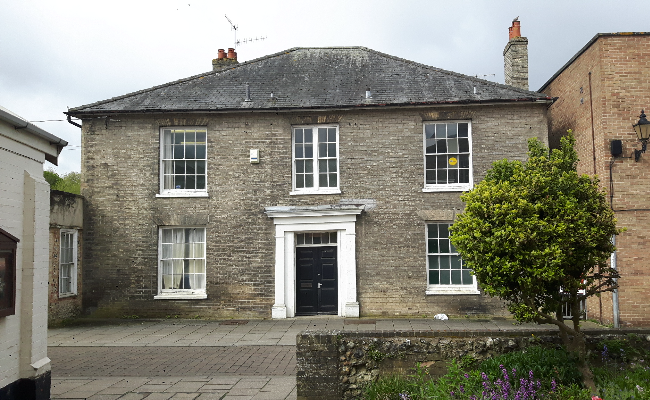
56	54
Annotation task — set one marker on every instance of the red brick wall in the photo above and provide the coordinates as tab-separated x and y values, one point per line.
620	88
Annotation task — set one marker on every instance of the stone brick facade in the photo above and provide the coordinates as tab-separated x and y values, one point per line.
381	161
601	92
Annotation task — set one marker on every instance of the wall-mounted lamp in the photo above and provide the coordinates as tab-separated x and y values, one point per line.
642	129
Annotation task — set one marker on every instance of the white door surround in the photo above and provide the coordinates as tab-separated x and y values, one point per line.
291	220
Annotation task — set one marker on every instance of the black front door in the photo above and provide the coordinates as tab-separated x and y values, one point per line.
316	284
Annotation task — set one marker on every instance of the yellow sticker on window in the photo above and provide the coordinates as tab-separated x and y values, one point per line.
453	161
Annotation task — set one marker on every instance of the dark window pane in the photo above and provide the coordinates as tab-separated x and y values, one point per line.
463	161
190	137
309	166
309	138
200	152
463	176
433	246
441	131
309	150
190	182
322	135
467	277
322	166
331	165
455	277
463	145
316	239
190	152
179	137
442	175
179	152
444	245
434	278
333	180
322	180
444	277
431	146
200	167
190	167
455	262
452	131
309	180
300	181
331	150
200	137
331	135
444	260
179	182
463	129
299	136
433	262
300	166
444	230
299	152
179	167
433	230
442	161
453	176
200	182
322	150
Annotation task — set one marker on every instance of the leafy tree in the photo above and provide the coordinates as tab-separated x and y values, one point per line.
70	182
538	235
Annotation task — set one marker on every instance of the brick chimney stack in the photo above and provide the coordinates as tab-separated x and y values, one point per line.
225	59
515	57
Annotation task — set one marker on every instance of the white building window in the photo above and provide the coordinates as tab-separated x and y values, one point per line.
68	263
183	162
446	272
181	265
447	156
315	160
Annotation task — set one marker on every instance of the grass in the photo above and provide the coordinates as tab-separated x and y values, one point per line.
620	372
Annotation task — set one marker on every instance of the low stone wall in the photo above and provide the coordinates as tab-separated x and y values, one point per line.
337	364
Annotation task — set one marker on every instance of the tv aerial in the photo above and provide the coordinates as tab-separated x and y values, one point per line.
234	28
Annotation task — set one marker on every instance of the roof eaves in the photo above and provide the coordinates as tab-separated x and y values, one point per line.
584	48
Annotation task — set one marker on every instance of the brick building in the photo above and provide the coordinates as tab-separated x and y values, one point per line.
314	180
601	92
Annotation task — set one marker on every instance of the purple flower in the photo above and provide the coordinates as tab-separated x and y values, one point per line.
553	385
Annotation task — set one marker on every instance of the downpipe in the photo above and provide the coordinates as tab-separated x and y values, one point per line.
615	292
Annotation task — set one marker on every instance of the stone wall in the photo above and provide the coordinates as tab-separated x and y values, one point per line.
337	365
381	159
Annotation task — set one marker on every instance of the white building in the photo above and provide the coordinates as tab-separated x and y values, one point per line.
24	225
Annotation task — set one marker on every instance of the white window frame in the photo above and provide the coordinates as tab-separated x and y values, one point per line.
316	189
178	294
72	264
448	187
439	288
181	192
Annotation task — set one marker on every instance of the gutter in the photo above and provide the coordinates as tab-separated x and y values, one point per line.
378	105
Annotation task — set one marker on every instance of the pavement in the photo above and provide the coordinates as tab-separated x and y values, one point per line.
200	359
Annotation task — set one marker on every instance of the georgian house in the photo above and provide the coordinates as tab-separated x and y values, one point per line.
310	181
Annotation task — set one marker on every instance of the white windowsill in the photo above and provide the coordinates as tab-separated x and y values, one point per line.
64	295
181	296
452	290
321	191
183	194
447	188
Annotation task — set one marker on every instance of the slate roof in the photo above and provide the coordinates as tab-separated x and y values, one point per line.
313	78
